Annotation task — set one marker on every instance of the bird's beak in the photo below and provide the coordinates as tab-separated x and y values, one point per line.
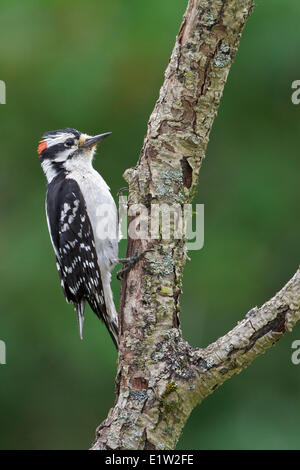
92	141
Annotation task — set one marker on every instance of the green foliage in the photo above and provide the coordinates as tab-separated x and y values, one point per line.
98	66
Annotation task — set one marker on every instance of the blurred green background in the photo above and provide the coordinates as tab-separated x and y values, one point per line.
97	66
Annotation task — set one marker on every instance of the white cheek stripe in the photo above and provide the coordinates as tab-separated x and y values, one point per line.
62	156
58	139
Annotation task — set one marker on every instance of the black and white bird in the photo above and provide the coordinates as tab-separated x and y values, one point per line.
83	223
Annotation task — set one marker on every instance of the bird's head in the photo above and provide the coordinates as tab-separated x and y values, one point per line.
64	149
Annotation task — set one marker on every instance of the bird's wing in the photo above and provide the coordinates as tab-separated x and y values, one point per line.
73	242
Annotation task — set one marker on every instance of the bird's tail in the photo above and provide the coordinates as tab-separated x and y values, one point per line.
111	321
113	330
80	307
109	315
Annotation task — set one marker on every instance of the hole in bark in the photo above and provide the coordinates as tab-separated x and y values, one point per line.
187	172
139	383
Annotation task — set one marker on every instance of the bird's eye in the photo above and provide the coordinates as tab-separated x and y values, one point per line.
69	142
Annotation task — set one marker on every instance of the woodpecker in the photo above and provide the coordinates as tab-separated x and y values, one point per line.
82	221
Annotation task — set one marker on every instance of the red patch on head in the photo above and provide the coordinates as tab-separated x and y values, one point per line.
42	146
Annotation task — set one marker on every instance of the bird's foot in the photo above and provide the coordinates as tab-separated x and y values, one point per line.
130	262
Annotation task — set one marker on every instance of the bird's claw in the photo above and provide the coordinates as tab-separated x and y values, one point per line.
130	262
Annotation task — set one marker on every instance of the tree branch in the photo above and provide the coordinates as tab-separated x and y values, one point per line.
160	377
258	331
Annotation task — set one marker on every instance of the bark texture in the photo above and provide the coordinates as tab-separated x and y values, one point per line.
160	377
